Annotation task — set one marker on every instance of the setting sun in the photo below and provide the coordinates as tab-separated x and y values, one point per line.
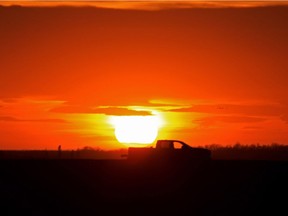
136	129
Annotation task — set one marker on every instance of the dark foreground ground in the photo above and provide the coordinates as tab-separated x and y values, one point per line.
117	187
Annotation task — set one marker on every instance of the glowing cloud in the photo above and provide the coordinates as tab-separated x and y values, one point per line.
144	5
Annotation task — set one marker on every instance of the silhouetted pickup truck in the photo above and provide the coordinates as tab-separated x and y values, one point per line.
168	150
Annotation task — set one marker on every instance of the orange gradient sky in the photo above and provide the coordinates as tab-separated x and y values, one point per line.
212	74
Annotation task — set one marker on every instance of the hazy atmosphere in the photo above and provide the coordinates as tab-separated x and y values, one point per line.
92	74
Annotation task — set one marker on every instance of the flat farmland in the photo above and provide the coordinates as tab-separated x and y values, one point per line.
120	187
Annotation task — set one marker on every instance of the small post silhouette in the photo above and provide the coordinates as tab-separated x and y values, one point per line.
59	151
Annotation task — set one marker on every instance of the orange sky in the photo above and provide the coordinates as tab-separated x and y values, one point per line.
215	75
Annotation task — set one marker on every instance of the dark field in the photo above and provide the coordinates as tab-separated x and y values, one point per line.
117	187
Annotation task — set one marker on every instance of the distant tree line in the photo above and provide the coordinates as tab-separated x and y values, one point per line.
83	153
273	151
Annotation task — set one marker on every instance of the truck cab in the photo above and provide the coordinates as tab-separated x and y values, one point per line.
171	144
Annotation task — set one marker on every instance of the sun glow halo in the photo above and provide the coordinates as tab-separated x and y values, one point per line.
136	129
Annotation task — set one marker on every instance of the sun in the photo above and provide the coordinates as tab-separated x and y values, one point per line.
136	129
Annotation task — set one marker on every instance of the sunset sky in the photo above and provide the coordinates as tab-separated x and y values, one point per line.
209	73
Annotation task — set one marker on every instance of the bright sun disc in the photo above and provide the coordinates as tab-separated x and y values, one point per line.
136	129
